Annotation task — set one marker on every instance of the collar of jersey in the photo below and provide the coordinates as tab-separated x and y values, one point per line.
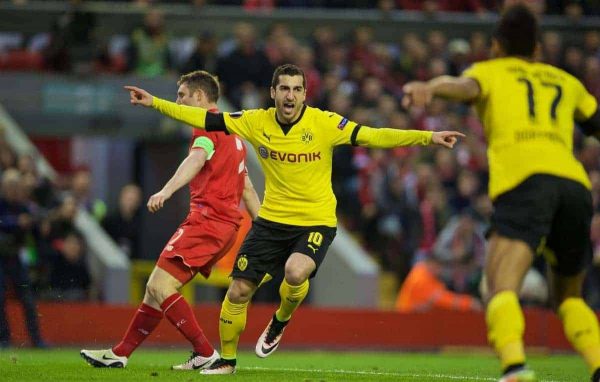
286	127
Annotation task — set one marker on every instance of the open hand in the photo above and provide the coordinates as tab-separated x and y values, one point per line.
139	96
446	138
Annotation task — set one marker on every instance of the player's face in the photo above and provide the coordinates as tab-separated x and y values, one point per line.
184	96
187	98
289	96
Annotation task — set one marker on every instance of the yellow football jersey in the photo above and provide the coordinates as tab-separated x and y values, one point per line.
297	164
528	111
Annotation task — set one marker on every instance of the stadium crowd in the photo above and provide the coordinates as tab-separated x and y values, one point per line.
405	205
572	8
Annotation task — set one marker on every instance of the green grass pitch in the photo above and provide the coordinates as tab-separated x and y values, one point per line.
304	366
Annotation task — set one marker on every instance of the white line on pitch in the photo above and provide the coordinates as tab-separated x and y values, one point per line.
377	373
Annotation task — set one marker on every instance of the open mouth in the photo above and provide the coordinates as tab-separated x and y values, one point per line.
288	107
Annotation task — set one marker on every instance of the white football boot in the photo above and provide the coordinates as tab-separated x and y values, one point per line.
196	361
103	358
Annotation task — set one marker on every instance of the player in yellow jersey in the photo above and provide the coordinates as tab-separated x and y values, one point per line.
297	221
541	193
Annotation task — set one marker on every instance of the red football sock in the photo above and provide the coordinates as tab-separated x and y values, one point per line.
180	314
144	321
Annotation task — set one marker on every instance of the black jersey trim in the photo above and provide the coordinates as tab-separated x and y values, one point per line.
591	126
286	127
354	135
215	122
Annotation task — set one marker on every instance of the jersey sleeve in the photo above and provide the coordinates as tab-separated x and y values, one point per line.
241	122
586	104
479	72
339	130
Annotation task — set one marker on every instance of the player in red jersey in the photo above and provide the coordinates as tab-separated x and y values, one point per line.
217	175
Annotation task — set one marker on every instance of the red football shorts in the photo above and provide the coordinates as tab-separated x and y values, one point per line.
196	246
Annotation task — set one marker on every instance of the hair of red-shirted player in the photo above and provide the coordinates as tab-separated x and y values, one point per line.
287	70
201	80
517	32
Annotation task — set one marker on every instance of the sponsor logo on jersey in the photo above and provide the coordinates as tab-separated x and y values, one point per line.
294	157
242	263
262	150
237	114
343	123
289	157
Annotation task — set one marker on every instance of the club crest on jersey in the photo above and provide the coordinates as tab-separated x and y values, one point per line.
343	123
237	114
307	136
262	150
242	263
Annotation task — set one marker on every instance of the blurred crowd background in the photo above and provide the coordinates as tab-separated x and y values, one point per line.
419	209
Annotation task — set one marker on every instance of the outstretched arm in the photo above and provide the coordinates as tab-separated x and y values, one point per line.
388	138
251	199
193	116
420	94
184	174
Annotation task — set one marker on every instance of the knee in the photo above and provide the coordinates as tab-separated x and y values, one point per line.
240	293
156	291
295	276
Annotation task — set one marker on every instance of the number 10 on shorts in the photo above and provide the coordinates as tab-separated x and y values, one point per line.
314	241
315	238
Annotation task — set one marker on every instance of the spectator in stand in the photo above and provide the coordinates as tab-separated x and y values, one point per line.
8	158
459	52
43	193
204	57
15	223
442	5
59	223
591	78
149	52
305	59
552	48
467	189
423	291
124	225
69	277
246	68
461	244
591	43
71	40
81	189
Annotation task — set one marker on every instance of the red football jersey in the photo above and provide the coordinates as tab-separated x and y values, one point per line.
217	189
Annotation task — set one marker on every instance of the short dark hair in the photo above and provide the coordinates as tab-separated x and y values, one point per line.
517	31
287	70
201	80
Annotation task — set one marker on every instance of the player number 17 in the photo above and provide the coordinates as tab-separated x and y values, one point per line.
531	100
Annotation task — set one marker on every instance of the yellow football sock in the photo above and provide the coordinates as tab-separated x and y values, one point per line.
506	326
232	323
581	329
291	297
